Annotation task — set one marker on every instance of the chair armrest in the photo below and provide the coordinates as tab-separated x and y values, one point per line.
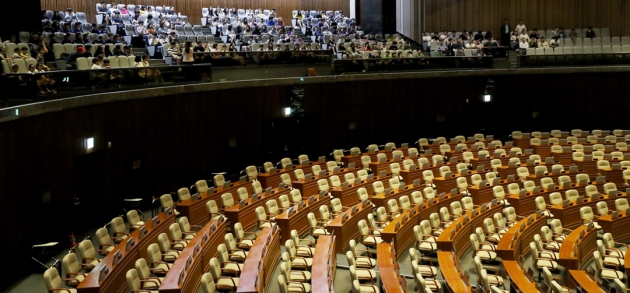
365	250
155	282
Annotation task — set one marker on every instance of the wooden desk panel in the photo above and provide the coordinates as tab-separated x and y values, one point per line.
570	216
576	251
563	158
348	230
507	249
485	194
460	241
543	151
619	227
197	212
523	143
299	220
613	176
377	167
527	205
584	283
388	269
272	180
446	184
518	278
348	195
409	176
247	214
381	199
588	167
115	281
261	262
450	271
404	236
324	265
201	261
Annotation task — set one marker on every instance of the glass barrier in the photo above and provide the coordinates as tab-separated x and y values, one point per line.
34	87
410	63
243	58
573	60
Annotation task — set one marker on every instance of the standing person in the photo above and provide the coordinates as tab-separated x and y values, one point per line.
187	53
505	30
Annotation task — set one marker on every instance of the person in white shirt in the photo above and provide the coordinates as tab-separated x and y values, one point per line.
426	40
523	35
523	45
554	42
543	43
470	44
521	26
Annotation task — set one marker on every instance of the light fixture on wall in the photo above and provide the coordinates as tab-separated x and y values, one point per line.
89	143
489	91
287	111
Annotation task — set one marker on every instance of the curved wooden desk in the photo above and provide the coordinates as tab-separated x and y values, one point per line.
476	162
403	237
197	212
381	199
261	262
272	180
453	279
505	171
619	227
518	278
443	184
348	230
577	248
570	216
299	221
458	240
527	204
515	242
484	193
348	195
584	283
310	187
207	240
246	215
324	265
410	175
115	281
388	269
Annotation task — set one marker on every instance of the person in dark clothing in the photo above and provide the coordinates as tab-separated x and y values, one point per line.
505	30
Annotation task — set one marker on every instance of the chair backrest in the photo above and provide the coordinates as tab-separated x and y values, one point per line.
167	201
555	198
621	204
586	213
429	193
335	181
227	200
242	193
498	192
323	185
219	180
163	242
175	232
117	226
183	193
70	264
153	253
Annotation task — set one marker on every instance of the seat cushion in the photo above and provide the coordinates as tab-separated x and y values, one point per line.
555	246
613	260
226	283
238	256
318	231
305	251
427	271
495	280
300	276
233	267
189	236
303	287
365	262
151	284
546	263
495	238
486	255
427	246
372	240
265	225
488	246
170	256
550	254
161	269
246	244
299	262
611	274
364	274
618	253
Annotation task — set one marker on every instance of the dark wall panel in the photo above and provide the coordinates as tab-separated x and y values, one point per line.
543	14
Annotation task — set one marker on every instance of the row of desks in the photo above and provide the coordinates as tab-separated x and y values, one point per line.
194	260
115	280
260	262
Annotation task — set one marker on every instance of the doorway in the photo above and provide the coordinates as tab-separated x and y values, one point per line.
89	191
